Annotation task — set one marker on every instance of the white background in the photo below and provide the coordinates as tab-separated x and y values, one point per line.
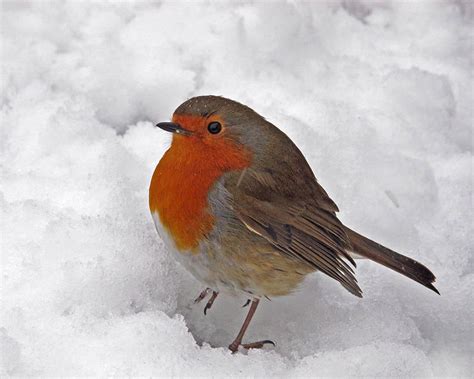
378	95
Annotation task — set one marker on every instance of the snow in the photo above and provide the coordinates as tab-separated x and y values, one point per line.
377	94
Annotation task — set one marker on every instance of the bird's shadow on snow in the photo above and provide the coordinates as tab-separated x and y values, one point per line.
300	324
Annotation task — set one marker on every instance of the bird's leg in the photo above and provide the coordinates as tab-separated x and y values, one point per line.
211	301
234	346
202	295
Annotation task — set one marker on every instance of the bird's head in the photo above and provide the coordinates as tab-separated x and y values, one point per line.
216	129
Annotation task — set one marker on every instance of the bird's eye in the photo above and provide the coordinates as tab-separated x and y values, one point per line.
214	127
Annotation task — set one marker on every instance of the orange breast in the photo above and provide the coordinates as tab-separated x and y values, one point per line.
181	183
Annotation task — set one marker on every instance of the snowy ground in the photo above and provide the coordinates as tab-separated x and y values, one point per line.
378	95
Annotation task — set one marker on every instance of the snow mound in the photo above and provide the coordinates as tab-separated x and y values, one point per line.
379	97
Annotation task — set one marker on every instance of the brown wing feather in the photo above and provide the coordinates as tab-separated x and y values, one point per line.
306	233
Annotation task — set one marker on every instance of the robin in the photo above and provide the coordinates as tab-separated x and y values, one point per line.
237	203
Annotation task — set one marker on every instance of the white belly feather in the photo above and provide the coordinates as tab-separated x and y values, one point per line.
196	264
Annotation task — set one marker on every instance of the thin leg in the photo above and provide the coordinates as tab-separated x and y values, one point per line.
234	346
211	301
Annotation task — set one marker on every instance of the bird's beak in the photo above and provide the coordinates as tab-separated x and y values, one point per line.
174	128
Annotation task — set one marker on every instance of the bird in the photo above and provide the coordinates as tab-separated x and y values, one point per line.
237	204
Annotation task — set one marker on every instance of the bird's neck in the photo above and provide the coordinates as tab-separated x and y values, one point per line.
180	187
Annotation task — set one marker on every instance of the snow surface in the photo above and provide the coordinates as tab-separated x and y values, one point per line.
379	97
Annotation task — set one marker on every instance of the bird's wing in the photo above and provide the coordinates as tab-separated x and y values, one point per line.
298	219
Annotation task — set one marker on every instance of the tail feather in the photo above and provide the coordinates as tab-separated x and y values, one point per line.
406	266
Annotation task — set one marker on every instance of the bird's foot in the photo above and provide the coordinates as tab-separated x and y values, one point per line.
203	295
234	346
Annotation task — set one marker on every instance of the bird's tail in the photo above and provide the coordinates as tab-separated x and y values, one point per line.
369	249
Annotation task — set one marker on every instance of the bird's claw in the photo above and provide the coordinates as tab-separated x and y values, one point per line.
210	302
253	345
202	295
